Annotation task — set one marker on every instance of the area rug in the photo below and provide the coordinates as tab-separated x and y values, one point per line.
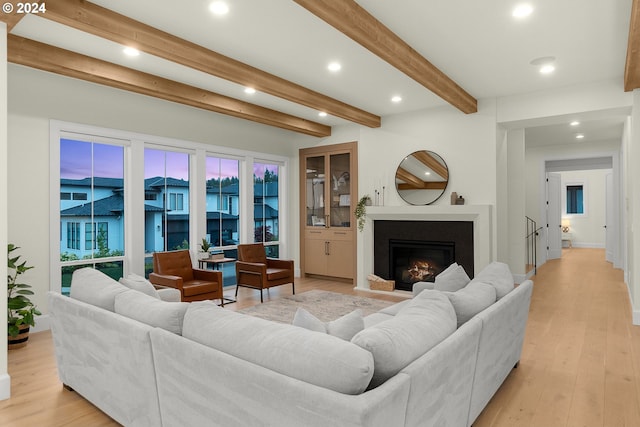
324	305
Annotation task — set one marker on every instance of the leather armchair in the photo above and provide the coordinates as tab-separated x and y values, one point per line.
174	269
255	270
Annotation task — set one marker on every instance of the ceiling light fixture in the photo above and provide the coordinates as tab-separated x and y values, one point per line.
396	99
130	51
579	136
522	11
574	123
249	90
322	114
545	64
219	8
334	66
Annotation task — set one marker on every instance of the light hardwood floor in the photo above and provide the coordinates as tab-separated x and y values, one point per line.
580	364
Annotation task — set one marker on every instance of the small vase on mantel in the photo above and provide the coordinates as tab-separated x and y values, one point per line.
454	198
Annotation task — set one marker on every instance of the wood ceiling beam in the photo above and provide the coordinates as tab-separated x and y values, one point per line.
355	22
632	65
56	60
113	26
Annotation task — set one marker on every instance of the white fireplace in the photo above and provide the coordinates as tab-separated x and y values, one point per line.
480	215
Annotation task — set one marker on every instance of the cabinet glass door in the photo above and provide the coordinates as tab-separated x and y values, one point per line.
340	190
315	191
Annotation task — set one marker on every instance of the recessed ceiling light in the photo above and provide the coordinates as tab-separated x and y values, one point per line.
219	8
522	11
427	173
579	136
396	99
334	66
545	64
249	90
322	114
130	51
574	123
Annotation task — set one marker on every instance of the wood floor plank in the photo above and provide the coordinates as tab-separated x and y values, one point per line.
580	363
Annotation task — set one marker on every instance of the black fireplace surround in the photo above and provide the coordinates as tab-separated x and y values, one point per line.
411	251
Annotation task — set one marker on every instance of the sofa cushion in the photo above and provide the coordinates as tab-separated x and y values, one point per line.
151	311
421	286
140	284
96	288
344	327
452	279
471	300
319	359
498	275
425	321
394	309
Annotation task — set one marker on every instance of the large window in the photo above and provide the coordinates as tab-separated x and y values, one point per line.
266	203
166	175
91	207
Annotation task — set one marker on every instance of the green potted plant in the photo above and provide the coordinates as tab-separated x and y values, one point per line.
205	246
21	311
361	211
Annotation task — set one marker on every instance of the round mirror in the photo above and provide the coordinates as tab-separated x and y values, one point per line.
422	177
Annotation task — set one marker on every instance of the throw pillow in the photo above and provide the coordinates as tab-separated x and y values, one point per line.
344	327
452	279
152	311
471	300
140	284
423	323
498	275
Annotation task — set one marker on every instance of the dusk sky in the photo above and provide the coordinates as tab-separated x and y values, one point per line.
75	162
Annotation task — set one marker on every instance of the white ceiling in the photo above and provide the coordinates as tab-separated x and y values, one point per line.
476	43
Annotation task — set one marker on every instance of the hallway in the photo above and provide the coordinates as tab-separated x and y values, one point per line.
580	364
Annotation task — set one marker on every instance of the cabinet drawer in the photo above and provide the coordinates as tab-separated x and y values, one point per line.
340	234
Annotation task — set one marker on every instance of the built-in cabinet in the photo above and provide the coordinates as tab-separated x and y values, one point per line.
328	194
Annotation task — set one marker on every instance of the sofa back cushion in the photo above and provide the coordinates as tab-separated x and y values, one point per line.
498	275
471	300
319	359
151	311
421	324
96	288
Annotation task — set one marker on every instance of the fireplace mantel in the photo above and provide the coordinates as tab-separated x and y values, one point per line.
480	215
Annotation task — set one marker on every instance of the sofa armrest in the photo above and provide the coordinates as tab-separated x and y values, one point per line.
421	286
166	280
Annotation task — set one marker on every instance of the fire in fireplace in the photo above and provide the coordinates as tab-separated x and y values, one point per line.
414	261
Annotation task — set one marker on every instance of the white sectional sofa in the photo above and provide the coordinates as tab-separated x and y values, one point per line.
147	362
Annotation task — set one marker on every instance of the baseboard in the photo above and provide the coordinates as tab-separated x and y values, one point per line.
43	323
588	245
635	316
5	386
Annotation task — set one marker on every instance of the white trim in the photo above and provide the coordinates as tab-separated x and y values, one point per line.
635	315
5	386
43	323
587	245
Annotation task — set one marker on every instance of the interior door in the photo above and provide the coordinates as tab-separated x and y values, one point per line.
609	226
554	213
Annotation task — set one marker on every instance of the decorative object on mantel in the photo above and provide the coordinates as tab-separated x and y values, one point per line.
460	200
454	197
377	283
361	211
421	178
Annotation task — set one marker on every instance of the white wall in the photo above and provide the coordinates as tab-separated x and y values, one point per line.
35	97
587	230
5	383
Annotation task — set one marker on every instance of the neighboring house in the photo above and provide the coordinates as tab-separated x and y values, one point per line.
91	214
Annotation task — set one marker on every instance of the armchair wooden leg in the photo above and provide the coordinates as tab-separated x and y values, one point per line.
261	299
237	290
293	288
